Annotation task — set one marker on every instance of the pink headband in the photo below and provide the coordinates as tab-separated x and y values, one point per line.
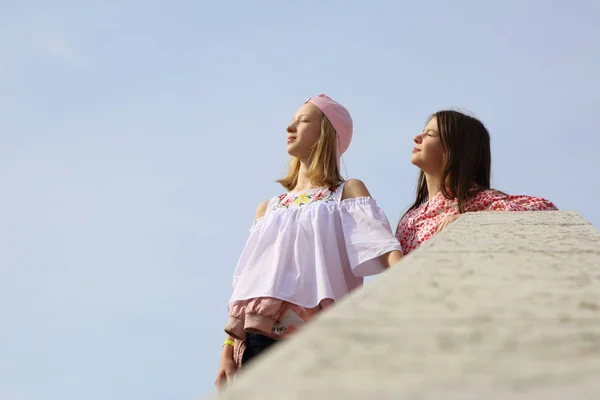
339	118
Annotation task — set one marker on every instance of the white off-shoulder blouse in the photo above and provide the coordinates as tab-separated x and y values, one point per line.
311	246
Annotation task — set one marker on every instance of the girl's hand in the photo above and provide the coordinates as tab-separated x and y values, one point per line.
226	372
446	221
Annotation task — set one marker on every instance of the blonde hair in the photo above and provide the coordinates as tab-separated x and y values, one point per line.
323	169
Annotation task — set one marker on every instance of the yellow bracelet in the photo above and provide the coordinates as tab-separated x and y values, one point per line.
229	342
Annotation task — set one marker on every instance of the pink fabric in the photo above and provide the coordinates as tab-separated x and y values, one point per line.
339	118
238	352
267	316
420	225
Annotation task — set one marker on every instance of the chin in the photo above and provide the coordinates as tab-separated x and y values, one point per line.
294	151
290	151
415	161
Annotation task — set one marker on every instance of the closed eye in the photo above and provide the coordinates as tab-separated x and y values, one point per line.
431	132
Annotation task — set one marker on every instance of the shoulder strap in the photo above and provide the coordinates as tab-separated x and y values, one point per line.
338	192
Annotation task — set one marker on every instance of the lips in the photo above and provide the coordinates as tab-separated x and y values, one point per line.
414	150
290	139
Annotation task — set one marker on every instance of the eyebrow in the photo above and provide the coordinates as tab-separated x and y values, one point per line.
300	116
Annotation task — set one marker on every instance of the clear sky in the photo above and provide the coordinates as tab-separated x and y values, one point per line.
137	138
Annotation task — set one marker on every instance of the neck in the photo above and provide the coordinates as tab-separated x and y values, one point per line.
304	182
433	184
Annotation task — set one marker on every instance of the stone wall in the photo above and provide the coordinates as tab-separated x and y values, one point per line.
498	306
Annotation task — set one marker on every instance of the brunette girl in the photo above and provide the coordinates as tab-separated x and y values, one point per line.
454	156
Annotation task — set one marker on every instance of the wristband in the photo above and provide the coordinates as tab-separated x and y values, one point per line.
229	342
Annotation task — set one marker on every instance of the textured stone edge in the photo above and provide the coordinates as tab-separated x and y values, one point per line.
252	383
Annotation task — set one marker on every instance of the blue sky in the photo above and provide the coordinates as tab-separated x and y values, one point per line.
137	138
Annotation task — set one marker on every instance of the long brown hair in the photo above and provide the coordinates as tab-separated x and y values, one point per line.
323	169
467	158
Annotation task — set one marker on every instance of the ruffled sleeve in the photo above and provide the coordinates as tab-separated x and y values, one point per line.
367	235
249	248
493	200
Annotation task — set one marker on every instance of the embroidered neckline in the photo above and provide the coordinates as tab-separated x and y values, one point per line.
299	192
306	197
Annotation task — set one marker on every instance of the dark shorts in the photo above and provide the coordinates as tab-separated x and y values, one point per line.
255	344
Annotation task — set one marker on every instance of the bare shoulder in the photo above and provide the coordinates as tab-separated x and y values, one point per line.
261	209
355	188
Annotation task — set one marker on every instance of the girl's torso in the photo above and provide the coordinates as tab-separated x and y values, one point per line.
421	223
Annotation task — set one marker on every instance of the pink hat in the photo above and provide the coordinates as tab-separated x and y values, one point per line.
339	118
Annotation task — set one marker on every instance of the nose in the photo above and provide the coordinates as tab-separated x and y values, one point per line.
291	128
418	139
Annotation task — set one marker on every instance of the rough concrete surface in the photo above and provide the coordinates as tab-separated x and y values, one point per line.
497	306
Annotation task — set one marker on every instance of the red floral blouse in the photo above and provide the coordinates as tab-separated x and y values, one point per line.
420	224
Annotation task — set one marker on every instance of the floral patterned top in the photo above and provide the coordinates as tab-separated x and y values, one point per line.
420	224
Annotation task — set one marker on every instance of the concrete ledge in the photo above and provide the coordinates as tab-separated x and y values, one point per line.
498	306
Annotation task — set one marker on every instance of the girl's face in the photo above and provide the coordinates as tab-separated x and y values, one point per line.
428	153
304	131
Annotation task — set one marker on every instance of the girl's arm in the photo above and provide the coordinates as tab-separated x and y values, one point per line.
226	370
261	209
227	365
391	258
